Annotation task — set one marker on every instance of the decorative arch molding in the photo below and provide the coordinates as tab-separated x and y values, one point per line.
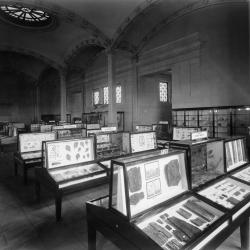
32	53
65	14
129	20
189	8
21	74
73	51
48	71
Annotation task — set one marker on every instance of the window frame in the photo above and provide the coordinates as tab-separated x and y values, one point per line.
104	95
118	85
93	97
168	97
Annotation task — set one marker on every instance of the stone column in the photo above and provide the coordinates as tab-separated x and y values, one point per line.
134	89
112	120
63	95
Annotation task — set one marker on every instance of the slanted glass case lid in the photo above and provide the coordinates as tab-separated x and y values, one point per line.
143	141
69	152
235	154
176	226
227	192
141	184
243	174
30	142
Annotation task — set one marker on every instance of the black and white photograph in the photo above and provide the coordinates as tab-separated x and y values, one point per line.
124	124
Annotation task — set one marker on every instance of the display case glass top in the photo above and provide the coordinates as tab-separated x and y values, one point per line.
243	174
92	125
143	183
142	141
63	175
235	150
32	142
143	128
177	225
184	133
227	192
69	152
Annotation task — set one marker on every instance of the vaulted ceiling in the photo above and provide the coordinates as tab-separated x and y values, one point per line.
84	28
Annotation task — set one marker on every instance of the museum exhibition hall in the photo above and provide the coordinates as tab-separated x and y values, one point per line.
124	124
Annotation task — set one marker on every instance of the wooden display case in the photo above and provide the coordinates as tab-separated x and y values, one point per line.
68	166
110	145
229	194
184	133
29	152
205	159
129	143
150	206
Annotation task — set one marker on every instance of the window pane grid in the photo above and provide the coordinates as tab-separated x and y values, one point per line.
163	91
96	97
118	94
106	95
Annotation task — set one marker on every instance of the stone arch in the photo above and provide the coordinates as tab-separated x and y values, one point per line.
32	53
129	20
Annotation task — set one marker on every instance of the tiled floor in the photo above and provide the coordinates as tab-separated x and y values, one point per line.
28	225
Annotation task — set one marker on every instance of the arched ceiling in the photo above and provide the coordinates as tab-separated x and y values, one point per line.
21	64
86	27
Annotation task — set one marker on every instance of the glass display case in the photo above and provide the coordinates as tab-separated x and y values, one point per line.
92	126
151	193
205	159
110	145
230	194
91	118
183	133
141	141
235	150
69	166
162	131
72	161
143	128
243	174
71	133
35	127
30	144
46	128
29	152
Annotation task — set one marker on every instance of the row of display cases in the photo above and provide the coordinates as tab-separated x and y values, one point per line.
154	204
219	121
70	165
107	145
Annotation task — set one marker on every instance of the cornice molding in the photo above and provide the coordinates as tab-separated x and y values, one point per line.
189	8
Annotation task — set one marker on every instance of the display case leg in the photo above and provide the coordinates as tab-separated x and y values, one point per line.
91	237
38	191
15	169
244	235
25	176
58	207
